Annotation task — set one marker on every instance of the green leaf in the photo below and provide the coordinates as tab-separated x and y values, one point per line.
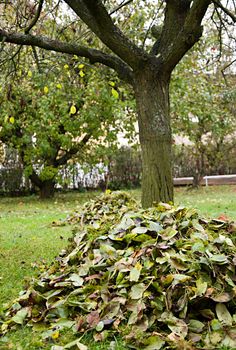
168	233
137	291
100	326
115	93
76	280
215	325
179	327
198	247
201	287
155	226
223	314
135	272
20	315
179	278
196	326
140	230
154	343
219	259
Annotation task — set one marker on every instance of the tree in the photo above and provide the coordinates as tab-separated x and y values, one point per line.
201	111
149	72
51	117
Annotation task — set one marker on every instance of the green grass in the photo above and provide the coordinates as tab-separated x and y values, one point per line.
212	201
27	236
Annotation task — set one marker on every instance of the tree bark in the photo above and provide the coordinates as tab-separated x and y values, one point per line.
152	97
47	189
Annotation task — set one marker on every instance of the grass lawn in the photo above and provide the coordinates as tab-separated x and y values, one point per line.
27	236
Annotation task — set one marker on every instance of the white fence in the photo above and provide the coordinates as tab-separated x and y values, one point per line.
208	180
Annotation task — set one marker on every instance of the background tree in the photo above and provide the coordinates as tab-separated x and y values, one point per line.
51	117
147	71
201	110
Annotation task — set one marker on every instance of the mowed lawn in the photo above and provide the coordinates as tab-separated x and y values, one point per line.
27	235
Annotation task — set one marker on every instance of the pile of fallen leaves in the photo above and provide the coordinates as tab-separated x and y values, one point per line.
104	209
162	278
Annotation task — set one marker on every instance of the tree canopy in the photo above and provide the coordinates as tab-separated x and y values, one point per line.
52	116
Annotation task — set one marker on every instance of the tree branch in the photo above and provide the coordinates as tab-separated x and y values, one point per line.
36	17
73	151
124	3
36	59
95	56
225	10
189	31
95	15
35	178
223	71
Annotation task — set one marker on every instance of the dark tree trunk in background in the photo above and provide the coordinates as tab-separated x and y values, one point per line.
152	97
47	189
199	167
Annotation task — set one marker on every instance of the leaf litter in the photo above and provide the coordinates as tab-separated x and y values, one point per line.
160	278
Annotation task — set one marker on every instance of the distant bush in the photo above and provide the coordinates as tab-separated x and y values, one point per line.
124	170
13	182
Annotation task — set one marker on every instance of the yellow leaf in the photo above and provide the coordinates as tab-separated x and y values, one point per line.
30	73
12	120
81	66
45	89
59	86
115	93
66	66
55	335
72	109
81	73
111	83
107	191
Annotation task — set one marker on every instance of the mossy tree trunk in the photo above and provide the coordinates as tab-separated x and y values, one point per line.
152	97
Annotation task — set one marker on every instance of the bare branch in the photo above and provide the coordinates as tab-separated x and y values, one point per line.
225	10
186	31
2	44
95	15
95	56
224	68
73	151
151	25
124	3
36	17
36	59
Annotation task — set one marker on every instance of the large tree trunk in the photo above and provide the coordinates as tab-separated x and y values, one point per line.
152	97
47	189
